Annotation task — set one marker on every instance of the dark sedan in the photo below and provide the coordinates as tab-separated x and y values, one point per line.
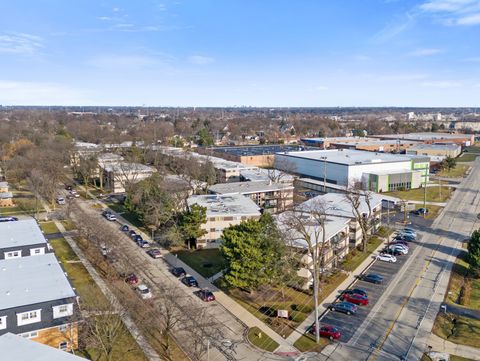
372	278
355	299
125	228
345	307
132	233
206	295
355	291
178	271
190	281
393	252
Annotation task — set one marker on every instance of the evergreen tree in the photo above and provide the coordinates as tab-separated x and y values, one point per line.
473	257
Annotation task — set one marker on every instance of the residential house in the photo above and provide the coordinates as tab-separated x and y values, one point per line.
18	348
37	301
22	238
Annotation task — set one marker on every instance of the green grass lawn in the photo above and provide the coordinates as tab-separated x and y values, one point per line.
432	211
49	227
69	225
459	272
306	343
129	216
261	340
434	194
459	358
473	148
467	157
457	172
465	331
355	258
207	262
62	250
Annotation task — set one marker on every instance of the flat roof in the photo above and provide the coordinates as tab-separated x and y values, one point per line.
127	167
435	146
18	348
23	232
248	187
348	156
31	280
424	136
337	205
229	204
256	149
6	195
386	172
262	174
3	184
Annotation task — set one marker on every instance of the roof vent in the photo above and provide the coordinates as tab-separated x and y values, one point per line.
8	293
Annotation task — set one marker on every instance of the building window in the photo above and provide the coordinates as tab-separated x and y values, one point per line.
3	322
63	345
13	254
62	310
30	334
26	318
37	251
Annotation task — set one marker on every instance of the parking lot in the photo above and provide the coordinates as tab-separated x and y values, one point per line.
348	324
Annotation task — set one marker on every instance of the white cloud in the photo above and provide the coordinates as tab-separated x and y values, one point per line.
447	5
453	12
200	60
425	52
393	29
443	84
469	20
40	93
20	43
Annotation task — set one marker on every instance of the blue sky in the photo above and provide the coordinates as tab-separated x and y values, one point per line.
240	52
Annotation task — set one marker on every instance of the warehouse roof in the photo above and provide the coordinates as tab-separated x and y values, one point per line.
436	146
20	233
31	280
423	136
226	205
256	149
347	156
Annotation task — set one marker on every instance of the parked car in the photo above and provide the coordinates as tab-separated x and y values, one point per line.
144	291
154	253
410	230
68	187
406	237
74	193
387	258
393	252
345	307
132	279
355	291
206	295
355	299
399	241
125	228
178	272
190	281
8	219
61	201
420	211
327	331
110	217
372	278
137	238
142	243
400	248
132	233
70	196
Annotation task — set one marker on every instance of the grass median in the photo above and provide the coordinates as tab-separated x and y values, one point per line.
261	340
434	194
457	329
207	262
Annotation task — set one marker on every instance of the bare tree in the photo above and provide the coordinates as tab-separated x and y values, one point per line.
356	196
86	169
305	225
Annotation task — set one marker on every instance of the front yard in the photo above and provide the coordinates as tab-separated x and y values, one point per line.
434	194
261	340
457	293
458	172
207	262
467	157
457	329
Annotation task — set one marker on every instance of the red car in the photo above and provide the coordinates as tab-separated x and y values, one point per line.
206	295
327	331
132	279
356	299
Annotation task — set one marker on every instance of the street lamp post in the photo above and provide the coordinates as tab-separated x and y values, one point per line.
324	174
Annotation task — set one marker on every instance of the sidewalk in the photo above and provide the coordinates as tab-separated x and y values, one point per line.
440	345
244	316
303	327
441	204
147	349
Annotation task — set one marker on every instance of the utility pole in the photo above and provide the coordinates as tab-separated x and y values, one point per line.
425	197
324	174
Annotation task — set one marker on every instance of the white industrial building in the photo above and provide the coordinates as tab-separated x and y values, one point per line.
347	166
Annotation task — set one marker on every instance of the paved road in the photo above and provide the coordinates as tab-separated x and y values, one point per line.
156	274
401	321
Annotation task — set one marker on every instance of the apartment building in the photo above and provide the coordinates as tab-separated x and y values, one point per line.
223	211
336	204
18	348
22	238
38	301
118	176
333	250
